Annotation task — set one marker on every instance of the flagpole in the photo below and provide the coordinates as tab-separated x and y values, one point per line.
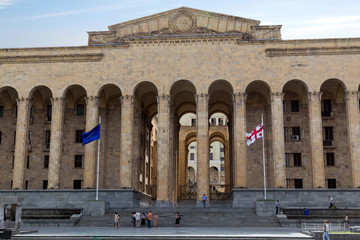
263	148
97	170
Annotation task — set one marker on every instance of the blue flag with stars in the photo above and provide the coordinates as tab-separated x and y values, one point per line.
92	135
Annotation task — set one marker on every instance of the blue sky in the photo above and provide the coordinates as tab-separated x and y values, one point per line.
46	23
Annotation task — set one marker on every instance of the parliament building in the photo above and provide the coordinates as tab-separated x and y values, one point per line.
177	92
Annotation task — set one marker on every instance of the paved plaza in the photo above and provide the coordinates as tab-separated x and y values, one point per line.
164	233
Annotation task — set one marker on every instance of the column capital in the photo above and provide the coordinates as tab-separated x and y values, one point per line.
349	94
277	94
96	100
163	97
126	98
242	96
202	95
22	99
314	95
56	99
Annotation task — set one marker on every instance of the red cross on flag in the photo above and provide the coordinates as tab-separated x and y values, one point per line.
258	132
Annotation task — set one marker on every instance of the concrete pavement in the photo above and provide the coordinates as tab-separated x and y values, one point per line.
164	233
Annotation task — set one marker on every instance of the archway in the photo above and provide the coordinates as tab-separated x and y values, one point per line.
8	113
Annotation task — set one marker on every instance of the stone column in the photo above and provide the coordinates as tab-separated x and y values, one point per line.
239	130
22	132
277	124
316	139
92	120
57	119
352	108
163	164
202	139
127	116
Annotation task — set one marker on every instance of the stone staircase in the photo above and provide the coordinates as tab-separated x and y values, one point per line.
219	214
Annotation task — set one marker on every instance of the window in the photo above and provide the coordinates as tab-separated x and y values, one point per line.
295	106
296	131
330	159
222	169
294	183
13	162
326	105
48	113
47	139
213	121
80	110
77	184
298	183
193	122
222	158
46	161
78	138
192	156
331	183
78	161
297	159
287	160
28	162
0	136
221	149
211	156
1	111
29	138
26	184
221	121
45	184
328	133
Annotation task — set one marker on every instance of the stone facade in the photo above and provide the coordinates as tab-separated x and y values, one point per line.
143	75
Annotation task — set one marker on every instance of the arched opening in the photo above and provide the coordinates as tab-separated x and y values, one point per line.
335	134
298	164
110	112
258	104
144	173
8	113
183	109
221	124
72	159
38	138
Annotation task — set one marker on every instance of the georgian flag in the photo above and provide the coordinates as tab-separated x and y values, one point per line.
258	132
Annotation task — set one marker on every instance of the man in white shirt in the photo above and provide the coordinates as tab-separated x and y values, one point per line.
326	230
138	219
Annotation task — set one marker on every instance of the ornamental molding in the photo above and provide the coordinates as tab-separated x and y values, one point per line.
91	57
311	51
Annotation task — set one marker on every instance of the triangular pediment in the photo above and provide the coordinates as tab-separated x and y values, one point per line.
184	21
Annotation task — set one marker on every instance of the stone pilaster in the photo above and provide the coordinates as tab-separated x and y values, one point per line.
277	123
92	120
127	116
22	132
316	139
163	164
57	119
240	163
202	139
352	108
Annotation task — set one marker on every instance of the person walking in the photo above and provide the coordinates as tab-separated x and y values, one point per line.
204	198
277	206
177	219
326	230
116	220
133	219
156	220
149	217
137	219
347	221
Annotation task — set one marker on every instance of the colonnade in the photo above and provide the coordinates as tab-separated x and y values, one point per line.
166	138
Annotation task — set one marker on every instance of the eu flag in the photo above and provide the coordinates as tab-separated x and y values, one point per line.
92	135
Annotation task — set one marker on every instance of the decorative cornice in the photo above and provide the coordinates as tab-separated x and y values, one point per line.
311	51
91	57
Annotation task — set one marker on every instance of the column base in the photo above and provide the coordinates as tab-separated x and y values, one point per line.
164	204
200	204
